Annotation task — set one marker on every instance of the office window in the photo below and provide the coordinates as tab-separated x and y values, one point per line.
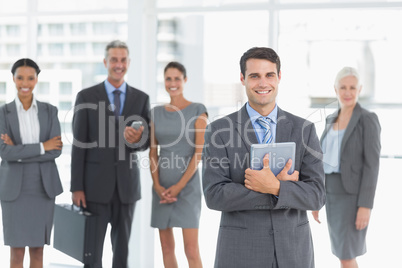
79	5
66	88
99	69
13	6
104	28
39	50
66	127
65	105
43	88
316	44
40	30
56	29
78	28
88	74
223	46
13	30
56	49
333	1
203	3
2	88
210	51
122	28
78	49
167	47
99	48
13	50
167	25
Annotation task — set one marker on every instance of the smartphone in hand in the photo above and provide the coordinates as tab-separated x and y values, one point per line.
136	125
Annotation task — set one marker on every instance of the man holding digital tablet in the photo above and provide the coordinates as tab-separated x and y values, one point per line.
264	221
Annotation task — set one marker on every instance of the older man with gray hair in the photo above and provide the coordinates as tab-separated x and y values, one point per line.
104	179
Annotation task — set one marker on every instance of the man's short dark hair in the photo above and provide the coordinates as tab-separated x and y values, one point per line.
116	44
178	66
263	53
25	62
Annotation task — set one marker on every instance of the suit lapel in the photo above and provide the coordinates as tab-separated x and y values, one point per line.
245	128
12	118
43	116
129	102
328	124
283	128
247	132
352	124
101	96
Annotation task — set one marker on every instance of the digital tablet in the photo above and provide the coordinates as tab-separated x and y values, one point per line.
279	154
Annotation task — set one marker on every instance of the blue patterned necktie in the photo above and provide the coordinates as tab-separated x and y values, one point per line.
265	124
116	94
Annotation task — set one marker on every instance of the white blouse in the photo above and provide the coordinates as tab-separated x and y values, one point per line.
29	123
331	147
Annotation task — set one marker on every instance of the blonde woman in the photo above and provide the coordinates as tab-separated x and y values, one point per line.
351	146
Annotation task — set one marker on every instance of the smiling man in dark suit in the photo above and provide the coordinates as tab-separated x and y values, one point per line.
264	221
105	178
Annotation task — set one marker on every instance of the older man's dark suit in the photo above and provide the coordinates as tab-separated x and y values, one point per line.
103	165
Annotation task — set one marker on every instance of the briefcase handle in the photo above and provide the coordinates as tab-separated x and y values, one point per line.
80	209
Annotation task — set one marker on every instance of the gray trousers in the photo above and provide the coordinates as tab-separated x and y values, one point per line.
275	263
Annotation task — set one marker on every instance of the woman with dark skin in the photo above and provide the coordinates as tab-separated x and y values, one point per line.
29	143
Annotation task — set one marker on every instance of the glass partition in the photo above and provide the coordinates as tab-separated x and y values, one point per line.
316	44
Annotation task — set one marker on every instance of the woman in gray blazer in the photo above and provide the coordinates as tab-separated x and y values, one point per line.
29	181
351	147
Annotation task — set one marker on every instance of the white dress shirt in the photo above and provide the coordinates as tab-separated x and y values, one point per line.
29	123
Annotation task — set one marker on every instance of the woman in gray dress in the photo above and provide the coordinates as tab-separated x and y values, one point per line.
178	130
351	146
29	182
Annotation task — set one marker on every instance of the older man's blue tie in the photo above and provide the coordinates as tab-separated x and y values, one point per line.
265	124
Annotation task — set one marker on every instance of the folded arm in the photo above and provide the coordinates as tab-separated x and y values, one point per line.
308	193
10	151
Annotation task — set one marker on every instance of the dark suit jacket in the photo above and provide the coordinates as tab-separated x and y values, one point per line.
101	158
13	157
360	154
253	225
